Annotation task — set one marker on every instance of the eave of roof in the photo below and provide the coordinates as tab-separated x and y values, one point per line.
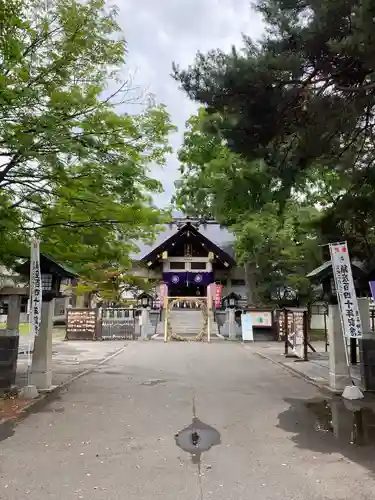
60	269
323	271
164	245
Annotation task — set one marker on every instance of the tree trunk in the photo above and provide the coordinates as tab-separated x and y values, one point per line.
251	284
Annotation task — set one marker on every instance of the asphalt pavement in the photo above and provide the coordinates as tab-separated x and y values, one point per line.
111	434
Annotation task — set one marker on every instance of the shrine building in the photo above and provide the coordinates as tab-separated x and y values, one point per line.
188	256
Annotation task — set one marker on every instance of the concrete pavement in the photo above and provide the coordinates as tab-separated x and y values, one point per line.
69	359
110	435
316	369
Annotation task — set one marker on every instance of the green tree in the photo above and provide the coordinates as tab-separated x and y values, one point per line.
278	250
302	96
216	181
110	285
74	166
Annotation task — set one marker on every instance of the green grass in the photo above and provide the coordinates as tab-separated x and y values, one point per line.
24	328
58	333
316	335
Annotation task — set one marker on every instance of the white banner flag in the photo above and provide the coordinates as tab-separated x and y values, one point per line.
35	289
346	295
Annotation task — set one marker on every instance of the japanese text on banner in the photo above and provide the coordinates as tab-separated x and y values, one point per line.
35	289
346	295
218	293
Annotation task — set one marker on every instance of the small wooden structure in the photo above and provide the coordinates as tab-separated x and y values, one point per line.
323	275
52	273
9	337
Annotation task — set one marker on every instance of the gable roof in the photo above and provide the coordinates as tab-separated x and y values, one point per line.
47	262
325	270
222	248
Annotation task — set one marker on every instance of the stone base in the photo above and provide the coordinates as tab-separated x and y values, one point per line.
29	392
42	380
352	392
50	389
338	382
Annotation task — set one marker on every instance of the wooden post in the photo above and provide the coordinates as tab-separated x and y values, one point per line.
325	332
166	319
286	331
353	351
305	335
208	323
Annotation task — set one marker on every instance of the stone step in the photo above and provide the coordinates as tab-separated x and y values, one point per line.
186	323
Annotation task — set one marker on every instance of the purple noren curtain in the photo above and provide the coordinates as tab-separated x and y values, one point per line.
188	278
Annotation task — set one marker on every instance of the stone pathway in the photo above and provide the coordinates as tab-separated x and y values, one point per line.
316	369
111	434
70	358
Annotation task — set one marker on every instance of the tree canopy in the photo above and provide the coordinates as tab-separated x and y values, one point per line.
75	164
278	249
301	99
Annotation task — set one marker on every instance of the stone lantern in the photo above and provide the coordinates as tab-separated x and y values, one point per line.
52	274
145	300
230	301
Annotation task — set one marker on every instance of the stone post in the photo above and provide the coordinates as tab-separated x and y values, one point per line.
338	369
9	341
13	319
80	301
146	326
364	311
230	329
41	368
232	324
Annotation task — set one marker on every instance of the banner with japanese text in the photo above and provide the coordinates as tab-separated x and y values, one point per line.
163	294
345	289
218	293
35	289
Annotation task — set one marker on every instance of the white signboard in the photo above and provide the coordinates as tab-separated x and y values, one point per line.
262	318
346	296
35	289
247	327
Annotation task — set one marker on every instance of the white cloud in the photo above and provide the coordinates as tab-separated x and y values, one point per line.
160	32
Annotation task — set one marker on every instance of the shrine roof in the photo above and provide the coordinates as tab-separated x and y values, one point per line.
216	238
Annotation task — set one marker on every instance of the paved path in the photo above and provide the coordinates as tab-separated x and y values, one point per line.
111	434
69	358
315	369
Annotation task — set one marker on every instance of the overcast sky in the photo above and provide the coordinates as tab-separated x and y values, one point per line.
159	32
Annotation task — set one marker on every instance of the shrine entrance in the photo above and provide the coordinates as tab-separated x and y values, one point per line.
192	323
187	290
